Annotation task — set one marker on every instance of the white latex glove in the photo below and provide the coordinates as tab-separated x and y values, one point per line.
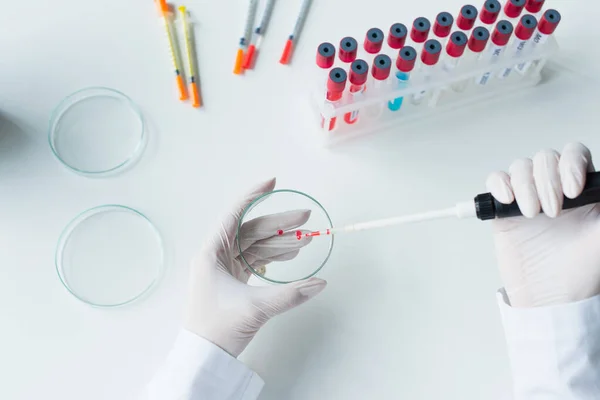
553	258
222	307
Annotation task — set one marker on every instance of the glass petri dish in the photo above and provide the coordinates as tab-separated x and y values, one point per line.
109	256
271	236
96	131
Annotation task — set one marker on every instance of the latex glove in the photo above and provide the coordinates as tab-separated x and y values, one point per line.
552	258
222	307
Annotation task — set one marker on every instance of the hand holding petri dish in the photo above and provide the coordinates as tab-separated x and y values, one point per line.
273	239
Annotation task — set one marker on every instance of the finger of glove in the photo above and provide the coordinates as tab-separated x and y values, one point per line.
276	246
229	224
523	184
274	300
575	162
498	184
284	257
271	225
547	182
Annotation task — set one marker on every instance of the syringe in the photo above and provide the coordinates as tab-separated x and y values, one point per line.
259	33
484	207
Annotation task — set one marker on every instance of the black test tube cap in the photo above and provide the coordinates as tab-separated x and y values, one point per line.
397	36
373	41
348	49
382	66
502	33
479	39
431	52
526	27
549	22
420	30
490	11
443	24
467	17
337	80
359	72
457	44
325	55
407	57
514	8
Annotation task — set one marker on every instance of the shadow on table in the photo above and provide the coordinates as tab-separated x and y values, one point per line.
14	140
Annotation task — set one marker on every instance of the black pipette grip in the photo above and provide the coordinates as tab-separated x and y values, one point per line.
488	207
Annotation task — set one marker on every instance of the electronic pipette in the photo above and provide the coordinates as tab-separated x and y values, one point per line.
484	206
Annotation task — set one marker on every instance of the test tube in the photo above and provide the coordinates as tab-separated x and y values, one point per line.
348	49
373	41
443	24
336	84
534	6
455	48
380	72
397	36
523	32
476	44
500	37
490	12
548	24
430	55
325	60
420	30
405	64
514	8
467	17
359	73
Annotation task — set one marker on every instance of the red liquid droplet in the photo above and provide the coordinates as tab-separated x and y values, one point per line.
298	235
280	232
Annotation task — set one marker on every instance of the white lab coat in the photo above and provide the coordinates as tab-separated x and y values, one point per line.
554	353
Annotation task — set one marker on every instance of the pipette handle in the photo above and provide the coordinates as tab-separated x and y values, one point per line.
487	207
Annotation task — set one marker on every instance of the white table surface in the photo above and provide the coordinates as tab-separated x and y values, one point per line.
409	313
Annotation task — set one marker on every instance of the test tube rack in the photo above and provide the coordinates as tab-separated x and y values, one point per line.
441	99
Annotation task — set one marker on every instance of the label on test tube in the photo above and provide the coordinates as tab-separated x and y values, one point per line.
405	63
548	24
429	57
523	33
500	38
359	72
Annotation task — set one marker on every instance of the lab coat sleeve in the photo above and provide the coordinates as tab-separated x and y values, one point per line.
554	351
196	369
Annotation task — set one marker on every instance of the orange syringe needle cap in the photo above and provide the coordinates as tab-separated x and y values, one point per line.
183	95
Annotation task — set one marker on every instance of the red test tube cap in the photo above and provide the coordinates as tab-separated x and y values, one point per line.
407	57
325	55
457	44
382	66
348	49
431	52
479	39
549	22
490	11
443	24
359	72
526	27
514	8
534	6
373	41
502	33
397	36
337	80
420	30
467	17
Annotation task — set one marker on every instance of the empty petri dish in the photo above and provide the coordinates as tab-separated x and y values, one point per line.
109	256
272	239
96	131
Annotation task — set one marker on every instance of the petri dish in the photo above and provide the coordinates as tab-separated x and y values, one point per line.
109	256
271	236
96	131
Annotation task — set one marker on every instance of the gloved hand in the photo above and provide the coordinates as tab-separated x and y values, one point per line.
552	258
222	307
